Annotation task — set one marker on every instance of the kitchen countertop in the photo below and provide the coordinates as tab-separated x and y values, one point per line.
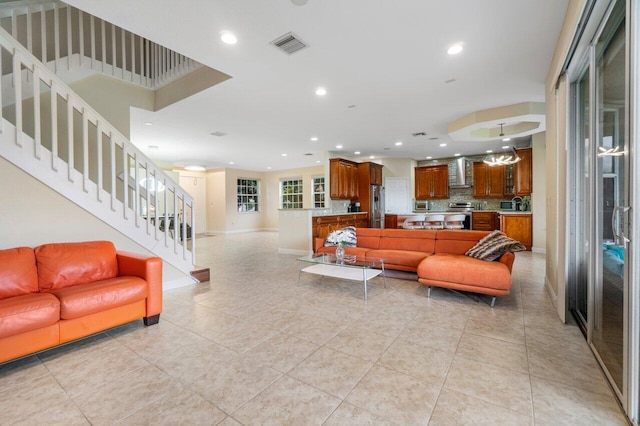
316	214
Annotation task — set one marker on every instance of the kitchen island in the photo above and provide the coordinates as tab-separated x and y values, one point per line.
300	227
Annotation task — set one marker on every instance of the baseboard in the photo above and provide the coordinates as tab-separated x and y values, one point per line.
296	252
242	231
180	282
552	294
539	250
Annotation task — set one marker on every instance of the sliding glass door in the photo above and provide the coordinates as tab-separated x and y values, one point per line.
600	204
611	196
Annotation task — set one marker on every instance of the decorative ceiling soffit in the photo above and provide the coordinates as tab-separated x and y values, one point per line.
519	120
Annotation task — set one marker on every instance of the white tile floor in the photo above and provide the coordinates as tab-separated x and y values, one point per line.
251	347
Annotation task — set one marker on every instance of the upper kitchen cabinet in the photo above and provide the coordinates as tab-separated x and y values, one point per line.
523	173
343	175
489	181
370	173
432	182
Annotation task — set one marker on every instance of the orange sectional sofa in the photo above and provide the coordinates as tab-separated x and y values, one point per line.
60	292
437	256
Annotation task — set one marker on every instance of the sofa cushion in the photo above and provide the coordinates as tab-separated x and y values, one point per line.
457	241
465	270
27	312
368	237
493	246
407	258
80	300
18	274
408	239
345	236
66	264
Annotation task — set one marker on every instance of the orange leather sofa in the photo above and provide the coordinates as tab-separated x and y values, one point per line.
437	256
60	292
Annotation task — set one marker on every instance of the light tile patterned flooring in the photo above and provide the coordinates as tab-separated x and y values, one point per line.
251	347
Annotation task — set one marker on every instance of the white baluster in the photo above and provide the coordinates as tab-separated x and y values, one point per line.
85	151
103	34
43	34
99	150
56	36
37	139
17	92
54	126
69	37
70	160
92	39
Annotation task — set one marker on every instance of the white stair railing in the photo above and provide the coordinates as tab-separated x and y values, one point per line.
65	143
74	39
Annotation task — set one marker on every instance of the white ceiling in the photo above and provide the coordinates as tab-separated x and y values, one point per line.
386	57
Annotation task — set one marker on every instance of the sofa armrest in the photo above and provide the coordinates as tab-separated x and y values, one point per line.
508	259
318	244
149	268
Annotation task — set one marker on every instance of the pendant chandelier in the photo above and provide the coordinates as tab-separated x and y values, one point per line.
505	157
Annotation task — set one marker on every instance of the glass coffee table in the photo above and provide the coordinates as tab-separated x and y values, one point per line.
354	268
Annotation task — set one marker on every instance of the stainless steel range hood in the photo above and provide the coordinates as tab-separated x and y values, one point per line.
462	174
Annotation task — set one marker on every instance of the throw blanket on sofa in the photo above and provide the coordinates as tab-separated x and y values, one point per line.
493	246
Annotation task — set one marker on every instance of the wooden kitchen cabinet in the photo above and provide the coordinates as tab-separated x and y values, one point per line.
368	174
519	227
432	182
343	175
322	225
488	181
523	173
484	221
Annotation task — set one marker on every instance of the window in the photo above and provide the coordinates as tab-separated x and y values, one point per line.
291	193
318	192
248	193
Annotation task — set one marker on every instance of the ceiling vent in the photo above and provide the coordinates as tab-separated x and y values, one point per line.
218	134
289	43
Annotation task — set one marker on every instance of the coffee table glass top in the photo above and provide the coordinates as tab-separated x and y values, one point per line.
348	261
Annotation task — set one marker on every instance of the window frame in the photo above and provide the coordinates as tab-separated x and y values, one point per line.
323	193
296	198
244	195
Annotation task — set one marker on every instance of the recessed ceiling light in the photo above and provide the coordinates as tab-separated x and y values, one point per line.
398	143
269	168
318	161
357	153
148	123
457	154
228	37
506	147
321	91
433	138
195	168
314	139
455	49
443	144
284	155
152	147
351	106
429	157
489	151
371	157
231	162
338	146
506	139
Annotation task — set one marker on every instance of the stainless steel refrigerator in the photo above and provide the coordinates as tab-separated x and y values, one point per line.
376	206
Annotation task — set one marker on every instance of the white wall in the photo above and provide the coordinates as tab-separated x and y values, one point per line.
31	214
539	195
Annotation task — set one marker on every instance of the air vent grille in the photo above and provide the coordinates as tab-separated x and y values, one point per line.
289	43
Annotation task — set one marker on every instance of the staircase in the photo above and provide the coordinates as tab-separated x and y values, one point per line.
48	131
